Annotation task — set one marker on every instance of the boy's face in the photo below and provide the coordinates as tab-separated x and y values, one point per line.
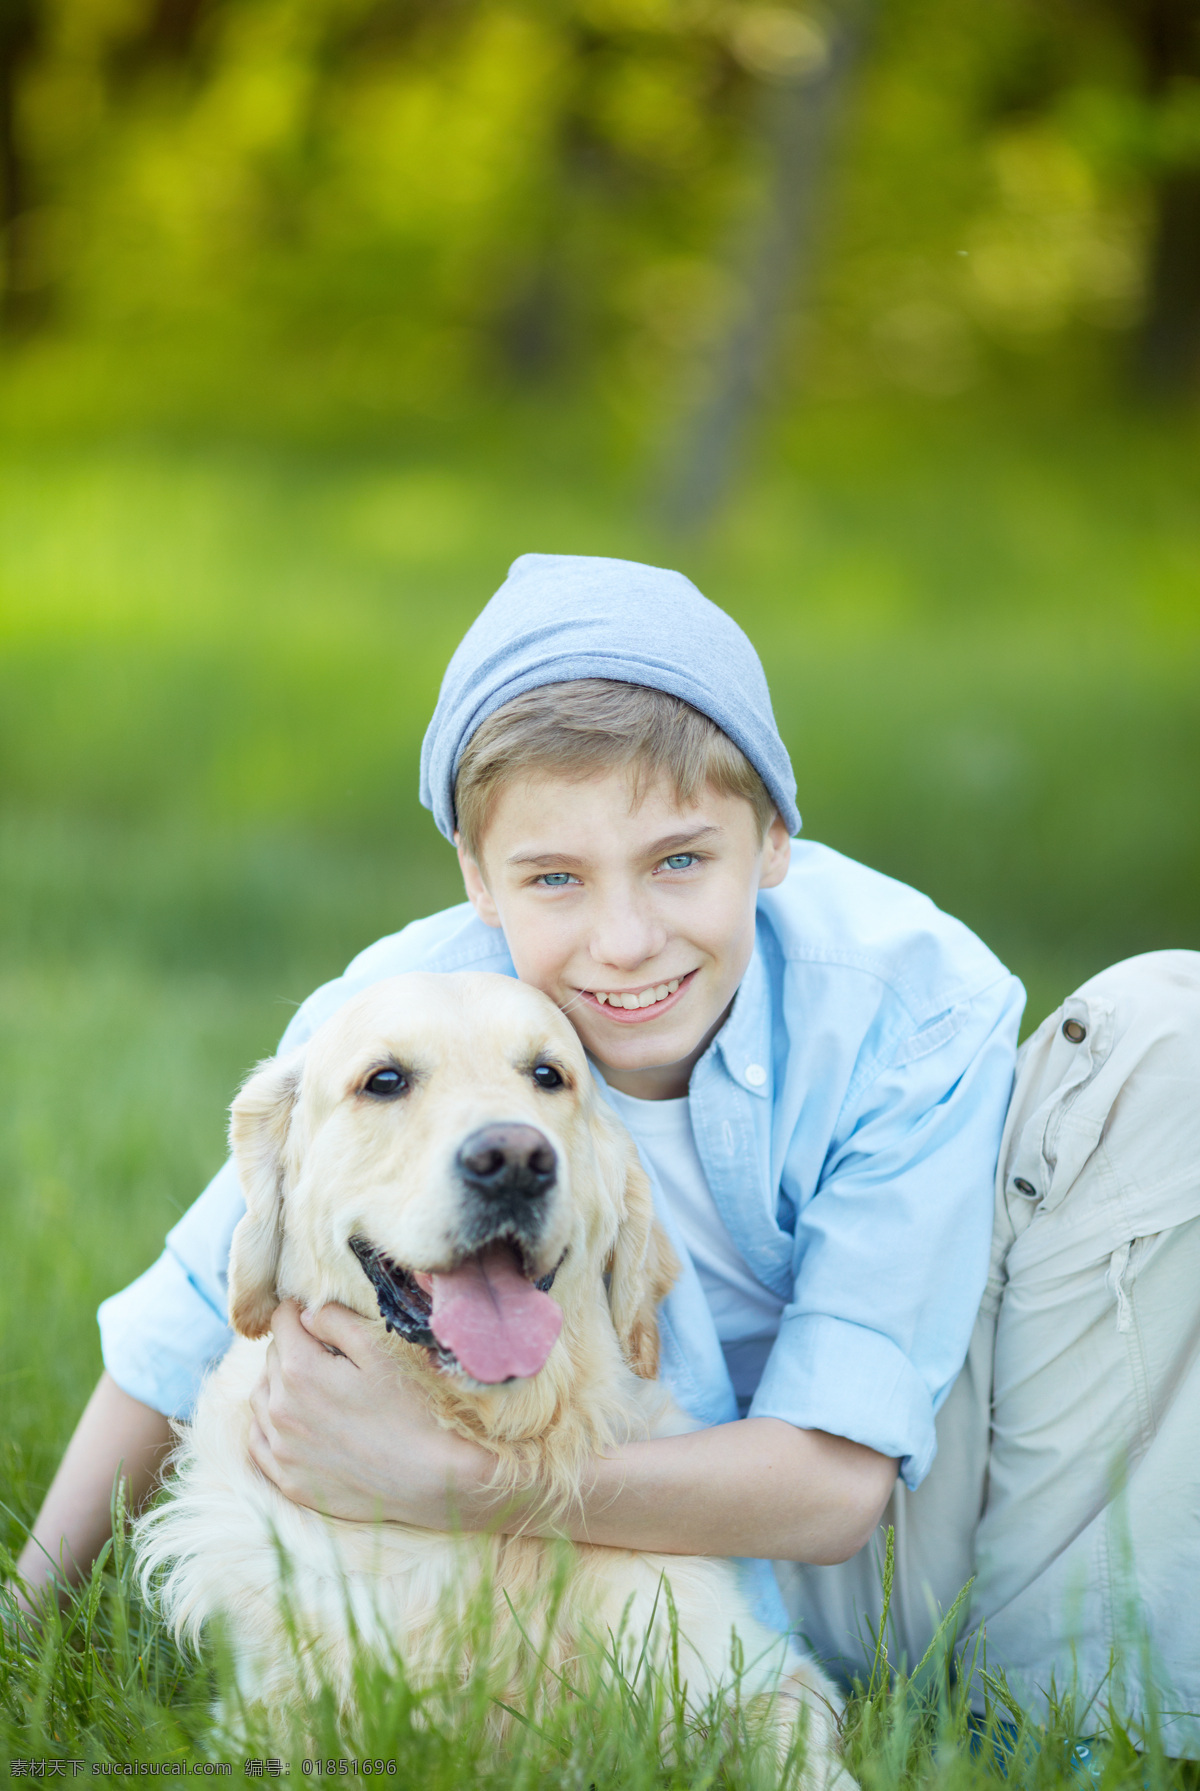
604	905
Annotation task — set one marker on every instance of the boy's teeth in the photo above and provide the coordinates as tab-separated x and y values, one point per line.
647	998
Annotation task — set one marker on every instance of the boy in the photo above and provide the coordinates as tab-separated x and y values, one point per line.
817	1066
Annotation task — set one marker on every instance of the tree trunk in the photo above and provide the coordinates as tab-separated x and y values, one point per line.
1167	357
17	42
801	113
1169	341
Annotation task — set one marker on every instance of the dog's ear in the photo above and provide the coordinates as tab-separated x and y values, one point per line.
260	1119
642	1269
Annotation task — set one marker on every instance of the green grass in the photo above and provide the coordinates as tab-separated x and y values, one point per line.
216	662
100	1681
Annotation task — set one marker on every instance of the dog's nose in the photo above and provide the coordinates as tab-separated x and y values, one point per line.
499	1161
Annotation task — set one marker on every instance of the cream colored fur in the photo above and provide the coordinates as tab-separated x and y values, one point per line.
320	1161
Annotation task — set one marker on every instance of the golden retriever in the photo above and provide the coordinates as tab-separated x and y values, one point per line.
438	1159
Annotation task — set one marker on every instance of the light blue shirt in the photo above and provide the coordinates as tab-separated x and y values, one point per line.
847	1117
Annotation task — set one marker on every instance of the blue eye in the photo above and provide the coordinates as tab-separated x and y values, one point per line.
679	861
555	879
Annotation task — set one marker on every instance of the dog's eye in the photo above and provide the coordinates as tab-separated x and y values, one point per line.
386	1082
546	1076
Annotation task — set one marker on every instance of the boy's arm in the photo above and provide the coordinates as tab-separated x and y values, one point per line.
116	1435
757	1487
336	1430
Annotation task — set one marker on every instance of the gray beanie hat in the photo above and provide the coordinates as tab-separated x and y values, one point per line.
558	617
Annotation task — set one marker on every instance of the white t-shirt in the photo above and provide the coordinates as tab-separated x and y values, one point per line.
746	1312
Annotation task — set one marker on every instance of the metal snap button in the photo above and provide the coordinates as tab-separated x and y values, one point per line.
1024	1187
755	1075
1074	1031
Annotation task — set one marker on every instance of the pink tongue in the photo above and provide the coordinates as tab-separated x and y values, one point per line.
497	1324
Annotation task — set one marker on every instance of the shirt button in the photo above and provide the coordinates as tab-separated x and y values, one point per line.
755	1075
1074	1031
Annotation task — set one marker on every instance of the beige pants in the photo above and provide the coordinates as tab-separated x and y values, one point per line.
1068	1470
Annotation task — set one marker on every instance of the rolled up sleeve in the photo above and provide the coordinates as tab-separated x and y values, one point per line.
828	1373
892	1248
160	1335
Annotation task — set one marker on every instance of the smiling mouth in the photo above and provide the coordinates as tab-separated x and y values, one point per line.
486	1320
634	1005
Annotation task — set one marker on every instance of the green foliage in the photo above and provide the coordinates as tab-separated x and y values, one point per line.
392	207
985	228
403	199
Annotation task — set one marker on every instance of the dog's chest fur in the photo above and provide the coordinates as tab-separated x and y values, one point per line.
234	1548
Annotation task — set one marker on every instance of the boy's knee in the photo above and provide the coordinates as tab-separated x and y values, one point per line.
1108	1084
1155	995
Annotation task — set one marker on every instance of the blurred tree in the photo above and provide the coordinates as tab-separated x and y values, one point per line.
172	28
1167	37
805	65
404	205
18	43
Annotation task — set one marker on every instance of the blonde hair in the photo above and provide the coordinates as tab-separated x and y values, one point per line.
592	725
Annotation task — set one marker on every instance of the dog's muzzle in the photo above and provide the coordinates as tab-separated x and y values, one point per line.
484	1311
507	1165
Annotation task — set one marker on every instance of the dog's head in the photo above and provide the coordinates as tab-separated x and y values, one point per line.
438	1154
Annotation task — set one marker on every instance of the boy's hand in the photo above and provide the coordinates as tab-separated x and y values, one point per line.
336	1428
